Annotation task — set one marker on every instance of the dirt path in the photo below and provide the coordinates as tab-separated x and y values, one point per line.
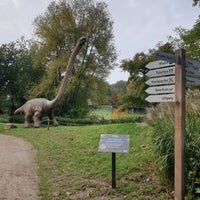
18	178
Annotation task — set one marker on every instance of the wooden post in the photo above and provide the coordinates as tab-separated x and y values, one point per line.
179	137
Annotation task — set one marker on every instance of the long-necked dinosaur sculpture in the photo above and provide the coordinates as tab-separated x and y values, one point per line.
38	107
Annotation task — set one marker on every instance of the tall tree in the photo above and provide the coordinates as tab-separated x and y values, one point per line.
195	2
58	30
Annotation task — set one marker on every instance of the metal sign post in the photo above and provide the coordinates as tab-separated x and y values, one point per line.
113	170
114	143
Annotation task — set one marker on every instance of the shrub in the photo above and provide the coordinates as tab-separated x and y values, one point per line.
161	117
16	119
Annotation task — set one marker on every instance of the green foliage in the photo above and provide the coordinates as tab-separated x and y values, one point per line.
16	119
91	120
119	87
58	30
161	118
135	95
191	41
17	74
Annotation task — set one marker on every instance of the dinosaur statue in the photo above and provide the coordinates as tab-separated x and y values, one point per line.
38	107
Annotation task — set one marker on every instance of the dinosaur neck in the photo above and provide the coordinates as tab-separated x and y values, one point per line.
58	97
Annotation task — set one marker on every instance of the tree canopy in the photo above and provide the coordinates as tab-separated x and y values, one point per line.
17	73
57	31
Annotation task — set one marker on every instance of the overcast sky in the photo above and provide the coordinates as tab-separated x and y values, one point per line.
138	24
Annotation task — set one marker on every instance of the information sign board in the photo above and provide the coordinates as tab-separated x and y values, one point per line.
192	63
158	64
192	72
161	80
164	89
161	72
161	98
115	143
165	56
192	81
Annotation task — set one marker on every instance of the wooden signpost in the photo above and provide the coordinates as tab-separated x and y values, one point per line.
187	72
179	124
172	93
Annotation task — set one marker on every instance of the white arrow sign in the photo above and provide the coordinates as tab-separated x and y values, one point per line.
161	98
161	72
161	89
192	63
192	72
192	81
158	64
166	80
165	56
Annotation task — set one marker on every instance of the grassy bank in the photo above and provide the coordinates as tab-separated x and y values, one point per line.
70	166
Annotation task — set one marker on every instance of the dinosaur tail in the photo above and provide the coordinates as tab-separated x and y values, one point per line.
19	110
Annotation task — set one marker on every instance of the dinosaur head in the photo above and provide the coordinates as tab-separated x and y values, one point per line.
81	41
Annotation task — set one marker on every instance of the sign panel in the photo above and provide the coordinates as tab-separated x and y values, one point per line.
192	63
165	56
115	143
192	81
166	80
161	98
161	89
158	64
161	72
192	72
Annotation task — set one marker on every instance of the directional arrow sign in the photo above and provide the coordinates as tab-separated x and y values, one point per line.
165	56
192	72
192	63
192	81
166	80
158	64
161	89
161	72
161	98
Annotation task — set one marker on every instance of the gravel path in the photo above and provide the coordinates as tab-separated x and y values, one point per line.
18	177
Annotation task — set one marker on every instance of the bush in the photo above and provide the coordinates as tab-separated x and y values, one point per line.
94	120
82	121
16	119
161	117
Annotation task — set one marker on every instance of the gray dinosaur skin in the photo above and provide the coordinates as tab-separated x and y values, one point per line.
39	107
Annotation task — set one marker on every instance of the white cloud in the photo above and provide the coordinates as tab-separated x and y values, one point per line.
16	3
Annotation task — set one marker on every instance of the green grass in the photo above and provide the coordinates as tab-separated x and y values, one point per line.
70	166
105	113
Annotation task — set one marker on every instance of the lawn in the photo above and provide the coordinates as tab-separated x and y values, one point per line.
70	166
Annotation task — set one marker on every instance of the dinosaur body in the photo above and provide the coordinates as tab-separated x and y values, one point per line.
38	107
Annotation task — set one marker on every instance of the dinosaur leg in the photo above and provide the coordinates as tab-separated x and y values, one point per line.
27	122
53	120
36	118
